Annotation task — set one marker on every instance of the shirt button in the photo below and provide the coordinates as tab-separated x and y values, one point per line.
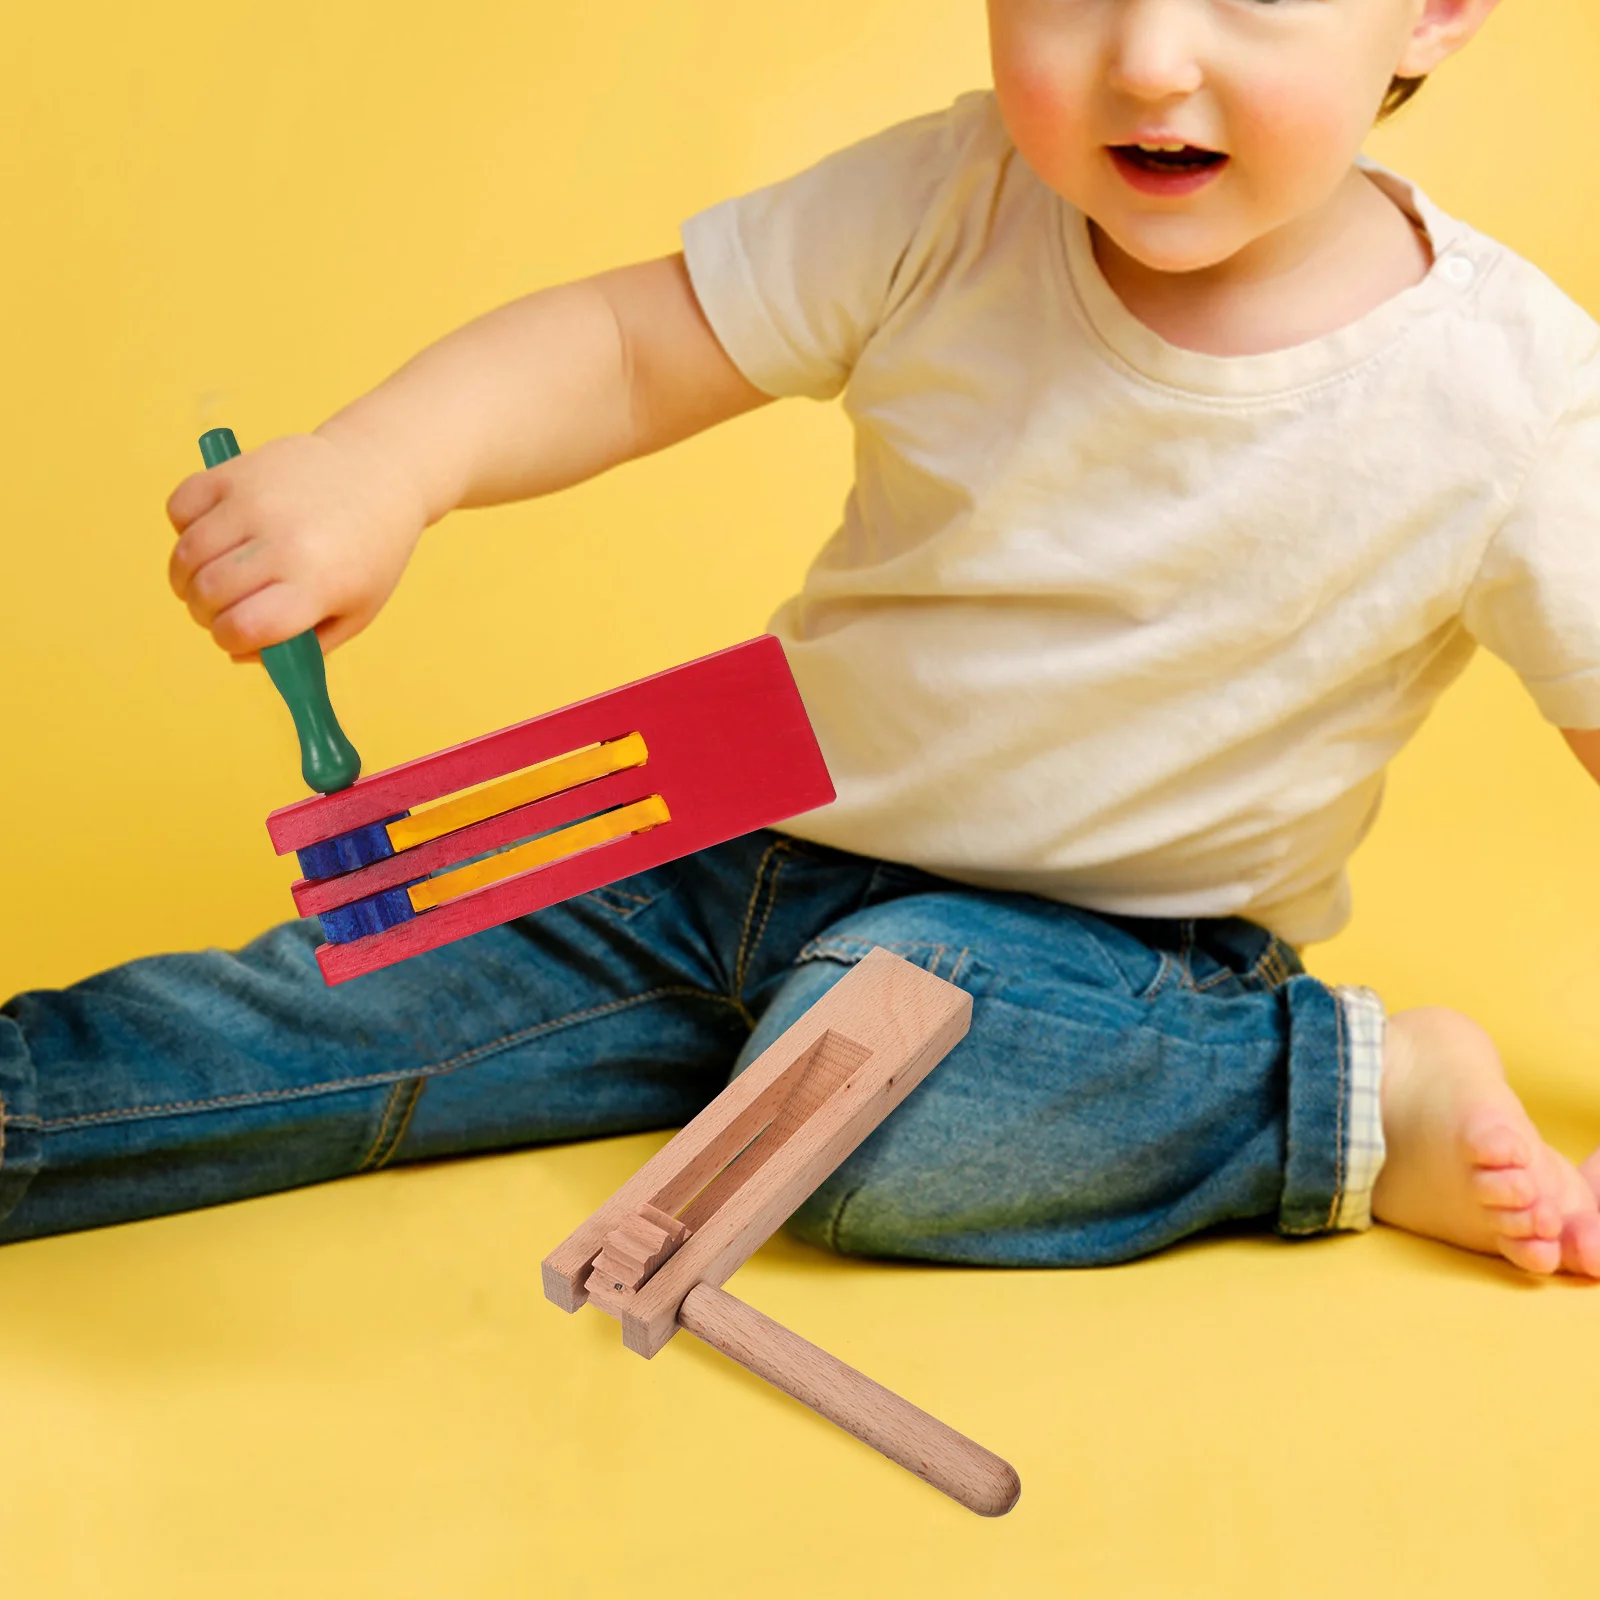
1456	269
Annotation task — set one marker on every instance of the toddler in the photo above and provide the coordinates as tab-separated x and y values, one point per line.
1195	454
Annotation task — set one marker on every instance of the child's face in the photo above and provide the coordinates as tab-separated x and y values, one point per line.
1285	89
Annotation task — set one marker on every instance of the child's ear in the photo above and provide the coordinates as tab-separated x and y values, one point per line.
1442	27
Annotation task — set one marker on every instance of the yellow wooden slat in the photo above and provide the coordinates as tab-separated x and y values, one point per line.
519	790
635	818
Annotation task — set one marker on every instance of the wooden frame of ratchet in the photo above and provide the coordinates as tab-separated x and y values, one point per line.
689	758
657	1252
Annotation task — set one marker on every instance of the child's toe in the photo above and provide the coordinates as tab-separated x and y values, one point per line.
1580	1244
1541	1220
1590	1172
1504	1188
1541	1256
1490	1141
1519	1224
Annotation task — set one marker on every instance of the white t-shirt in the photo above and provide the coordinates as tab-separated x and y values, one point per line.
1128	625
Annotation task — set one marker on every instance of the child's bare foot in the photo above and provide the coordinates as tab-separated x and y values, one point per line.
1465	1164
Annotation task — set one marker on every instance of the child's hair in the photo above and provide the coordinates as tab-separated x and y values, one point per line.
1399	91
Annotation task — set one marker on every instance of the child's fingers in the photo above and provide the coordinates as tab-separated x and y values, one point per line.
195	496
333	630
267	617
234	575
207	541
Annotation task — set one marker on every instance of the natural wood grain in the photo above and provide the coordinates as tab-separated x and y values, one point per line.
739	1168
905	1433
679	1170
635	1248
812	1096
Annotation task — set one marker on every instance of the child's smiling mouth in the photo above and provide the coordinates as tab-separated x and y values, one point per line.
1167	170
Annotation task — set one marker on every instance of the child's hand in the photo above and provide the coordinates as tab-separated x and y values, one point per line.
304	531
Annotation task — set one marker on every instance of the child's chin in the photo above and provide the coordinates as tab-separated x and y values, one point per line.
1172	244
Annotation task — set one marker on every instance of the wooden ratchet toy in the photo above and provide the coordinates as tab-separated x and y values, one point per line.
657	1252
559	805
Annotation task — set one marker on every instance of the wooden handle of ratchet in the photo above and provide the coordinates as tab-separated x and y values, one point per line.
328	761
922	1444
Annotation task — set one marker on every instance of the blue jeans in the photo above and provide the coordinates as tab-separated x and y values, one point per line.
1126	1082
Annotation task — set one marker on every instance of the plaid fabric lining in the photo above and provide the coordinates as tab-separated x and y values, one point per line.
1364	1022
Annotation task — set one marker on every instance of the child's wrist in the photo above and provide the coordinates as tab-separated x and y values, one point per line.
391	462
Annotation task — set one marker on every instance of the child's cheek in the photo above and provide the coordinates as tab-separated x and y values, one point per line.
1294	134
1043	115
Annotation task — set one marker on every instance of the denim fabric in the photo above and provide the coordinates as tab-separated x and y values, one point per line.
1126	1082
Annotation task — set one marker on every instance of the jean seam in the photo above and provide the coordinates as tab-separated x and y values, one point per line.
837	1219
1270	969
338	1085
1337	1199
1258	971
1343	1044
1160	981
747	945
624	894
383	1124
404	1094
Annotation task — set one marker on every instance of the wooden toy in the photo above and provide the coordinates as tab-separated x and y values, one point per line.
328	761
657	1252
573	800
586	795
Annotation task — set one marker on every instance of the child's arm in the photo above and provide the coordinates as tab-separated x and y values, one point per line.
315	529
1585	744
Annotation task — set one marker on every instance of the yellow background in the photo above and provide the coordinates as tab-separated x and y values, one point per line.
245	214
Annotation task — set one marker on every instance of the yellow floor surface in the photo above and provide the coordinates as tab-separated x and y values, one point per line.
359	1391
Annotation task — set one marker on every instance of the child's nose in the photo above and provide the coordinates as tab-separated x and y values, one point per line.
1154	49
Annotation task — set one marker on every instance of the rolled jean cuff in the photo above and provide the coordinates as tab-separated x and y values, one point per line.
1335	1146
1364	1149
19	1118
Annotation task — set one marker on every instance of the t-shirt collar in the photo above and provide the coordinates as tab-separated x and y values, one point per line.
1296	366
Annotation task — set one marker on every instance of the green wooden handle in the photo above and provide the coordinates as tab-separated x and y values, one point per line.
328	761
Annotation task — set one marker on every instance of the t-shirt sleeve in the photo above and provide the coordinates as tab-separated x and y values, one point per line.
795	277
1536	599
